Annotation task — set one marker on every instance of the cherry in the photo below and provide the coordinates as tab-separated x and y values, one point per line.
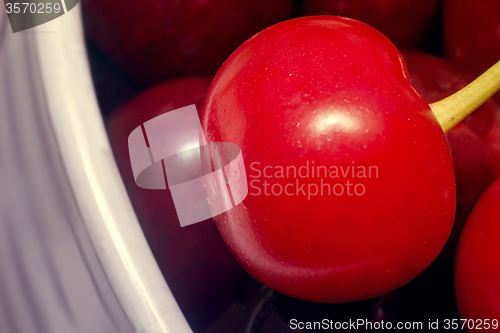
200	271
332	95
405	22
477	262
474	144
156	39
471	34
331	92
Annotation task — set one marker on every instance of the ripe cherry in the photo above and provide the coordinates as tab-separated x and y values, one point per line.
472	34
477	263
331	92
156	39
200	271
326	92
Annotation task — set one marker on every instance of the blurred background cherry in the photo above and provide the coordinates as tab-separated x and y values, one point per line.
407	23
478	263
472	34
153	40
201	273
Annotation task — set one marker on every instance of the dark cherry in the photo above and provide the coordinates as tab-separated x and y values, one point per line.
407	23
200	271
156	39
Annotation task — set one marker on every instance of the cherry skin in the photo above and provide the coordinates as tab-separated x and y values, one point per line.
405	22
156	39
471	34
474	143
477	268
201	273
330	91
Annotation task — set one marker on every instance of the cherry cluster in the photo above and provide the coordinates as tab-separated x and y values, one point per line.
347	83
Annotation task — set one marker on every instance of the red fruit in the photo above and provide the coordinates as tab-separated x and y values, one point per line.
477	165
330	91
156	39
200	271
477	266
405	22
474	145
472	34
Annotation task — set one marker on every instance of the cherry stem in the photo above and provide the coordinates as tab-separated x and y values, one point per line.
453	109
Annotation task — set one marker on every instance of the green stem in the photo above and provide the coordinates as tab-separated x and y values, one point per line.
453	109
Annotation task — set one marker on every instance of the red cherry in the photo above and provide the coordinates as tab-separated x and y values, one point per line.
327	91
474	146
472	34
200	271
156	39
477	283
405	22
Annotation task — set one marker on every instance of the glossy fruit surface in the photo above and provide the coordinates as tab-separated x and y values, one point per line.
156	39
405	22
331	92
200	271
477	265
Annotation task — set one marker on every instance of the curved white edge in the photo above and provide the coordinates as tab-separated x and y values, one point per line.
99	190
